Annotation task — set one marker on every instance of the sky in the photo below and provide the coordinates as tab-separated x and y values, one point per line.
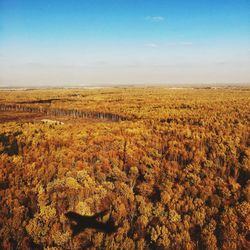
91	42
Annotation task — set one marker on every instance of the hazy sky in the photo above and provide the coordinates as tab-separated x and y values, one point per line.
62	42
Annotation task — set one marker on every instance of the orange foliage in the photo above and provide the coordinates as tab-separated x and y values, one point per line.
174	173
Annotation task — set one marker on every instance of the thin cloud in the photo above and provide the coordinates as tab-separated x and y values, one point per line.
171	44
186	43
155	19
151	45
183	43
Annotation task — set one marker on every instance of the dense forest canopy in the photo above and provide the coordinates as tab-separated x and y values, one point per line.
173	171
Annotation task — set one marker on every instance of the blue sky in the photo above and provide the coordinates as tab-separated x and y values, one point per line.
123	41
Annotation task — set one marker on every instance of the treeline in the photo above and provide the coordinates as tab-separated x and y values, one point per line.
63	112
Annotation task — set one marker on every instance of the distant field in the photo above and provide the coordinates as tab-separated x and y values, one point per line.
171	166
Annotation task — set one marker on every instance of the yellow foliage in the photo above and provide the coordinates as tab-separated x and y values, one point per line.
171	166
83	208
70	182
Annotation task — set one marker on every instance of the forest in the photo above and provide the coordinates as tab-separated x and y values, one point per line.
169	166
